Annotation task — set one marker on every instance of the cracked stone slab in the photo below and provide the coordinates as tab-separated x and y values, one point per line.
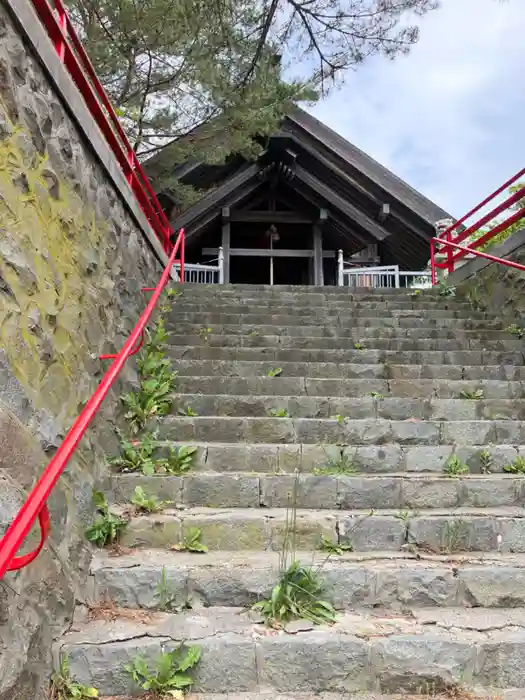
389	653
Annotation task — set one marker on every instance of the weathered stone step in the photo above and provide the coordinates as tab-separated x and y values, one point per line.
392	581
476	694
321	329
364	356
329	307
350	432
263	458
350	408
424	648
236	529
333	388
403	491
389	342
347	370
344	318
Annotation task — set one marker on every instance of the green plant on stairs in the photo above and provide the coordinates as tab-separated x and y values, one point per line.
63	687
169	677
107	528
297	594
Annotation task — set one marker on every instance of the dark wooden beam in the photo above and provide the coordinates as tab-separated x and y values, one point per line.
354	214
267	253
270	217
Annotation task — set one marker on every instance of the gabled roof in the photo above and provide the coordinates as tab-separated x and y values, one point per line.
316	167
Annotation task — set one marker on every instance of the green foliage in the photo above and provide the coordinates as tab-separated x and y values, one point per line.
107	528
359	345
165	594
188	411
473	395
485	460
342	464
152	400
332	547
375	395
64	688
191	542
516	330
142	455
456	537
455	467
170	674
274	372
205	332
172	67
516	467
147	504
445	290
278	413
339	418
297	594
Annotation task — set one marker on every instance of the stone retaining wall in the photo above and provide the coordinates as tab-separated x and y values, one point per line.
74	252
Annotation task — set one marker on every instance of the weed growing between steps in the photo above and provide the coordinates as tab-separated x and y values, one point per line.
445	290
278	413
63	687
166	595
169	677
147	504
473	394
297	594
107	528
339	465
143	455
485	461
191	542
455	467
333	547
516	467
516	331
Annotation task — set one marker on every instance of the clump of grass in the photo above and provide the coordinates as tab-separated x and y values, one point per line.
332	547
278	413
445	290
169	676
486	461
473	394
63	687
147	504
191	542
298	592
107	528
359	345
276	372
456	537
342	465
516	331
455	467
516	467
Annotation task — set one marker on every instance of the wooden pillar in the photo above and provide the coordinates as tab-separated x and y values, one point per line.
318	256
226	243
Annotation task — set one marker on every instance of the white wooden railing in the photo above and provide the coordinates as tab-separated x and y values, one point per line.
195	273
385	277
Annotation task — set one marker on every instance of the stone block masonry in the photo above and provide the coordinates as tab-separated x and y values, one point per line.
74	251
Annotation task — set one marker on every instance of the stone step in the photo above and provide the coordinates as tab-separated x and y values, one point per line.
365	356
421	650
401	490
460	694
344	318
260	458
471	371
335	432
373	323
349	408
372	580
359	388
328	307
389	342
235	529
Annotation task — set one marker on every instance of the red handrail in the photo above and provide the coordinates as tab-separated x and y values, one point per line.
76	61
446	238
492	258
35	505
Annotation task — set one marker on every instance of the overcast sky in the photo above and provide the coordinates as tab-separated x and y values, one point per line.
449	118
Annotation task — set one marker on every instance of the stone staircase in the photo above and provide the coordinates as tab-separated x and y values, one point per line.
380	390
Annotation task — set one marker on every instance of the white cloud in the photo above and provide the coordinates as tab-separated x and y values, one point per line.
447	118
